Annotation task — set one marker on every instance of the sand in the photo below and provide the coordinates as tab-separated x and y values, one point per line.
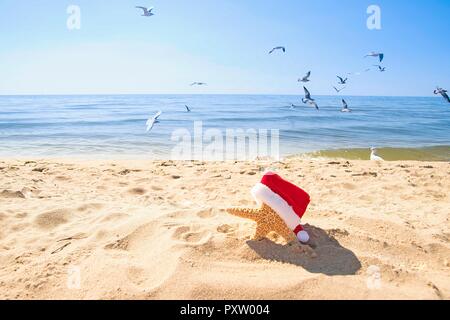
73	229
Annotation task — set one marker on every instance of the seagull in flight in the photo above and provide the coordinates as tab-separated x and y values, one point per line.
358	73
442	92
187	108
277	48
151	121
305	78
198	84
147	11
382	69
374	156
308	100
345	107
375	54
339	90
342	81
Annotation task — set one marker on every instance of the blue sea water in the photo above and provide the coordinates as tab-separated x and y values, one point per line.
114	125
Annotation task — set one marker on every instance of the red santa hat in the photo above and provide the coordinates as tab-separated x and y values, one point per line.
286	199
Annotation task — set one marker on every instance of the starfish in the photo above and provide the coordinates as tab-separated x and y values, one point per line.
267	220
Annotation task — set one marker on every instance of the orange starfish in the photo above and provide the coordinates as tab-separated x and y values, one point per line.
267	220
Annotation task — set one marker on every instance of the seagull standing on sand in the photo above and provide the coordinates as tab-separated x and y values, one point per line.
342	81
198	84
187	108
305	78
345	108
277	48
374	156
382	69
147	11
308	100
442	92
151	121
375	54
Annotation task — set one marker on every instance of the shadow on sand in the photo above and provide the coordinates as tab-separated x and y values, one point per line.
332	258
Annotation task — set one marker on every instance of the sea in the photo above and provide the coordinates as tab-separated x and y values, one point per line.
114	126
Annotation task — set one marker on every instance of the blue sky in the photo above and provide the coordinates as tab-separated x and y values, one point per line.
223	43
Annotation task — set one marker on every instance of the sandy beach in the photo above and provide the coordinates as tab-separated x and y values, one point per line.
73	229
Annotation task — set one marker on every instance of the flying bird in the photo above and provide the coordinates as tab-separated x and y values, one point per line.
345	107
342	81
277	48
305	78
151	121
374	156
187	108
382	69
358	73
442	92
198	84
147	11
339	90
308	100
375	54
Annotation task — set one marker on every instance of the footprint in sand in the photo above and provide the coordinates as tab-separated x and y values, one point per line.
52	219
137	191
225	228
244	202
113	216
349	186
192	236
137	239
62	178
366	197
196	238
179	231
206	213
121	244
19	227
136	274
8	194
124	172
21	215
90	207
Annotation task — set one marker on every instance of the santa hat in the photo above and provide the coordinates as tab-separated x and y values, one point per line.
286	199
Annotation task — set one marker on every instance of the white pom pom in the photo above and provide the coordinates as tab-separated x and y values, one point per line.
303	236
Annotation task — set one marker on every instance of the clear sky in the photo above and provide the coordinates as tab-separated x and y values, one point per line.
224	43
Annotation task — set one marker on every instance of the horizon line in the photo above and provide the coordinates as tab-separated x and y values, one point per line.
205	94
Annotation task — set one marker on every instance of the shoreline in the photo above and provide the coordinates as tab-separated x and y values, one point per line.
159	230
435	153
